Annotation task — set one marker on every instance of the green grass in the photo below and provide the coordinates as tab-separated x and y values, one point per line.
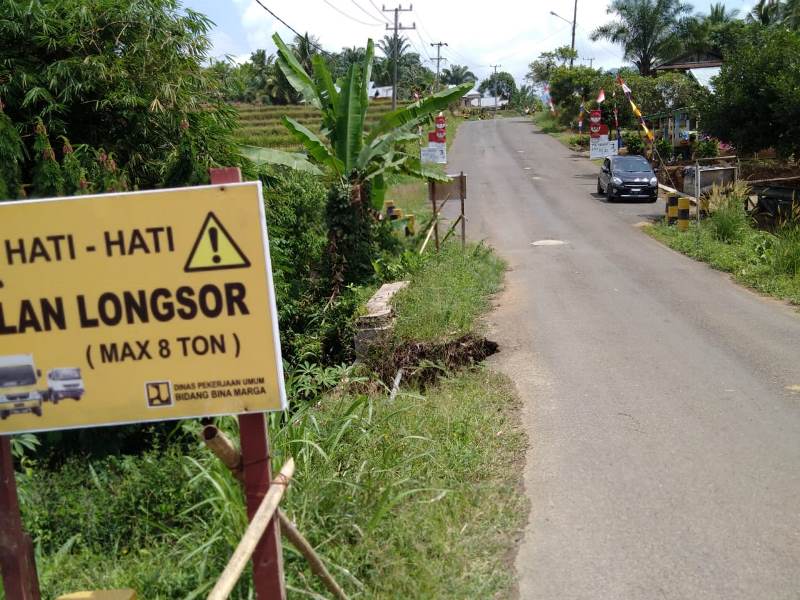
448	294
766	262
417	497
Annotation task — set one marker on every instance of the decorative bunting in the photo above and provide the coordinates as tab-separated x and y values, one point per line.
635	108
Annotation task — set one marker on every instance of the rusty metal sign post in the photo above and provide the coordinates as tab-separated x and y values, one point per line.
254	439
17	562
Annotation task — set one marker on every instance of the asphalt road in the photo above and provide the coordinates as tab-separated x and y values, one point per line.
664	457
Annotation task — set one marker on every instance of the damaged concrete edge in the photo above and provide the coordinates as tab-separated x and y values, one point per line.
376	326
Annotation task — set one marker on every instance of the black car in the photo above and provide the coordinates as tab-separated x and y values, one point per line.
626	177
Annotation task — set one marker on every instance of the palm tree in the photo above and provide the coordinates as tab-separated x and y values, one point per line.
791	14
393	48
457	74
765	12
304	48
698	33
719	15
646	29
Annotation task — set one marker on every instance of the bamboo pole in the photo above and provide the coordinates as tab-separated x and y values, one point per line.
434	226
317	566
252	535
224	449
452	229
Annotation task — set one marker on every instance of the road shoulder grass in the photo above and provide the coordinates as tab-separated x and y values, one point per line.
762	261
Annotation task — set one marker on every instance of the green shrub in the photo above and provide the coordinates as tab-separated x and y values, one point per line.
633	142
664	148
579	141
708	148
730	221
786	251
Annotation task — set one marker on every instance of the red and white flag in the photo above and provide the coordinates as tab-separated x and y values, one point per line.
601	96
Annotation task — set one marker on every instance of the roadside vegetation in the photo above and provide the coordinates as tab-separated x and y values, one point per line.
731	240
414	496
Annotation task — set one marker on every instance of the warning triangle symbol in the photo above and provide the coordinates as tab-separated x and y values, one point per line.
215	249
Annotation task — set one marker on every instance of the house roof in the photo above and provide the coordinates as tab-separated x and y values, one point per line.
692	60
704	75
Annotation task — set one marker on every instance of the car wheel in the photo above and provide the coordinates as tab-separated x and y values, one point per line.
599	187
4	415
38	411
609	194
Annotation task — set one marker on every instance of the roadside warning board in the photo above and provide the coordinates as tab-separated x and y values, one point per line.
134	307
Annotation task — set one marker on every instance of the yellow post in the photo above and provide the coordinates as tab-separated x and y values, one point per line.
411	224
683	213
672	209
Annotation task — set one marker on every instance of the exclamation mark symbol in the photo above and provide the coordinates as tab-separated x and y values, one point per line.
213	234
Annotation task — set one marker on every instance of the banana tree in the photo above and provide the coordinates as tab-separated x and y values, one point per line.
345	148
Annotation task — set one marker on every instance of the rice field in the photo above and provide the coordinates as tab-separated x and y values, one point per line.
261	125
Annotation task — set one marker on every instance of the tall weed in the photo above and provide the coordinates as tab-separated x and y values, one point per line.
786	251
729	221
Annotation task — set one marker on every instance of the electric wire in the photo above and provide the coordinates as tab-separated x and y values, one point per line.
292	29
344	14
366	12
380	12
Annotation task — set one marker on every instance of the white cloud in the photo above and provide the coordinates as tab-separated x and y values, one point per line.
506	32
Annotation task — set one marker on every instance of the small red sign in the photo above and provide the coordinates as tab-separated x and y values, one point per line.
595	116
599	130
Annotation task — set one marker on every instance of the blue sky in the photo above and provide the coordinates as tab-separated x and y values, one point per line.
507	32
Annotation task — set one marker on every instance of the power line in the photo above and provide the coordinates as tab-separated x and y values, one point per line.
341	12
378	10
366	12
293	30
424	46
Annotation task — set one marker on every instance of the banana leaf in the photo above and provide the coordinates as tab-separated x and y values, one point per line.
271	156
313	145
296	74
418	111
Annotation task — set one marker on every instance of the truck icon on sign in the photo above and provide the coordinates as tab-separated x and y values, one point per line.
18	386
64	382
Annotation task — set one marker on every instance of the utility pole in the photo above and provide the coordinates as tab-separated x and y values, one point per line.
398	27
591	61
495	67
438	60
574	20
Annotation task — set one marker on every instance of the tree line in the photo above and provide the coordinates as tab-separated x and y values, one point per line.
752	102
260	80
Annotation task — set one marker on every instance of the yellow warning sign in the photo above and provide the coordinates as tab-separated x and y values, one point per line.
144	306
215	249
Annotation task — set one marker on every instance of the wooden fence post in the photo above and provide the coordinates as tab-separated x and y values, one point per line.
432	196
17	561
463	194
257	473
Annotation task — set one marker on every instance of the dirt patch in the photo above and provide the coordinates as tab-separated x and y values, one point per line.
424	362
